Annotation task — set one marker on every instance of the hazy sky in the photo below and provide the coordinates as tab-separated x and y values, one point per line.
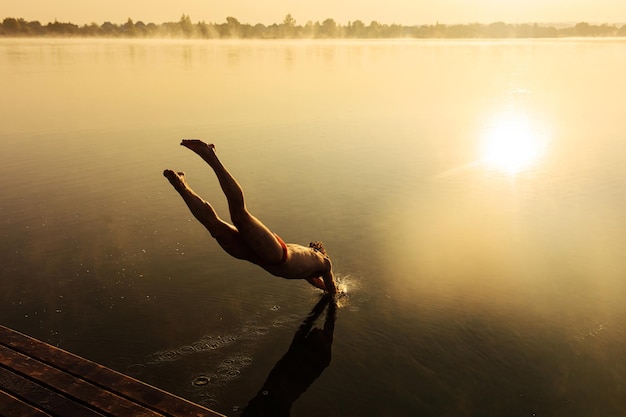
273	11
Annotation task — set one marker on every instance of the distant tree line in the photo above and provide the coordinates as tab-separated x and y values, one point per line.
288	29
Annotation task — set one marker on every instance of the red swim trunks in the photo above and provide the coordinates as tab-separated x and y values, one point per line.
285	250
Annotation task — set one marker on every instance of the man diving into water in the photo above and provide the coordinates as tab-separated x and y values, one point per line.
247	238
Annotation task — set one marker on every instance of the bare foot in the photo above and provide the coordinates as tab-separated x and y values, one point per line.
177	179
199	147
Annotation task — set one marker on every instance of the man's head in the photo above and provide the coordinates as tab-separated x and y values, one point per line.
318	246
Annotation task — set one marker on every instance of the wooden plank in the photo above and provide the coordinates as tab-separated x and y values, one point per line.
71	386
88	381
41	398
13	406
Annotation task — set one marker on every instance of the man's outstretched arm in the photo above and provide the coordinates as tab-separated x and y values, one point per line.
329	279
326	282
317	282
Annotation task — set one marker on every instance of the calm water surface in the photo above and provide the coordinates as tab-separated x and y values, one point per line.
470	194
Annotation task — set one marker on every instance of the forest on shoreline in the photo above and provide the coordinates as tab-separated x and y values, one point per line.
289	29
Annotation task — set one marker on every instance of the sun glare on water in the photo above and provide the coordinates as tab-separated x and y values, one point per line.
512	143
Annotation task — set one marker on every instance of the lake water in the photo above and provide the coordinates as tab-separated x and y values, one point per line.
471	195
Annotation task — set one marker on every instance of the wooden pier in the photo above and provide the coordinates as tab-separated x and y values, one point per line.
37	379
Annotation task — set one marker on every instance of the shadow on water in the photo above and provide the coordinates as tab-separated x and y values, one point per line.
308	355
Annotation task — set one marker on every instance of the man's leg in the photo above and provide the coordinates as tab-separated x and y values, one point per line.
226	235
253	232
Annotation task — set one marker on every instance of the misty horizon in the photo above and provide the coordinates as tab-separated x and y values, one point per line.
290	29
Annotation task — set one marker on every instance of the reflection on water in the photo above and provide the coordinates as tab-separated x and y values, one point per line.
470	194
308	355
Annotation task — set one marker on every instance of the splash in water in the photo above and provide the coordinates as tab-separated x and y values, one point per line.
347	286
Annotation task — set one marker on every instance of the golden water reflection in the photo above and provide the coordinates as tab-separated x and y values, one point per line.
513	141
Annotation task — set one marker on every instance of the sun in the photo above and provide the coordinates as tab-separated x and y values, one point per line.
512	143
